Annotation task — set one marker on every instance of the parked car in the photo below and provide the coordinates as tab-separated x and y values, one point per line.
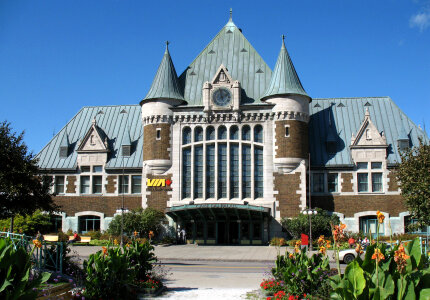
348	255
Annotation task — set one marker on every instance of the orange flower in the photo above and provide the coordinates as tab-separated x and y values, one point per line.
105	251
400	258
338	232
151	234
321	240
380	217
322	250
127	245
37	243
378	255
358	249
115	242
291	255
135	233
328	243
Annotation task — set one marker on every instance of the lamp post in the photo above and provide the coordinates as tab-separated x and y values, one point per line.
122	185
310	212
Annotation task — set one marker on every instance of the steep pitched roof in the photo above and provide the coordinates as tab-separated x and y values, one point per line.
347	115
231	48
284	79
165	84
114	122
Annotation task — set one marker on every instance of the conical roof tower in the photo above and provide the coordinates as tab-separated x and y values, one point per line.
285	80
165	84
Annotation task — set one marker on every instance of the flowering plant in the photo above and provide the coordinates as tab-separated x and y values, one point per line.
149	283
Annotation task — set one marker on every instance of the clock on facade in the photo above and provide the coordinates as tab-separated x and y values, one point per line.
221	96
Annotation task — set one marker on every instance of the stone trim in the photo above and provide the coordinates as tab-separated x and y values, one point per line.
393	184
71	184
110	186
347	185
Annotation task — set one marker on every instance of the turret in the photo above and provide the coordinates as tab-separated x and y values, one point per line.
164	94
292	108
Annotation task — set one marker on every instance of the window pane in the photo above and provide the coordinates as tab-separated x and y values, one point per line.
362	165
97	169
59	184
210	171
246	171
234	170
332	182
257	231
136	184
85	169
210	133
377	165
123	184
258	134
362	179
222	171
85	184
376	182
211	230
97	184
198	172
186	173
318	182
234	132
186	136
246	133
222	133
258	172
198	134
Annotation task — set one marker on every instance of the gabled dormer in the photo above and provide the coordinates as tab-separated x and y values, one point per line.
368	144
222	92
93	148
63	151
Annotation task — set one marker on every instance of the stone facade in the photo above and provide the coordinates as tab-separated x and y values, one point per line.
71	184
393	185
157	197
347	182
288	186
154	148
296	144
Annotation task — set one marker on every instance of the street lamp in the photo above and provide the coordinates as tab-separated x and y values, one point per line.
310	212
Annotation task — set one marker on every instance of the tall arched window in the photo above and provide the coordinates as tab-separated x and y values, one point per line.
210	133
186	136
222	133
234	132
246	133
198	134
258	134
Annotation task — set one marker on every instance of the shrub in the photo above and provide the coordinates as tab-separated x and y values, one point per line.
141	220
141	255
277	242
17	279
95	235
320	224
29	224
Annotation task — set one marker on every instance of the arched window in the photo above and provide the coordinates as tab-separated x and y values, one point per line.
198	134
246	133
234	132
186	136
222	133
210	133
258	134
89	223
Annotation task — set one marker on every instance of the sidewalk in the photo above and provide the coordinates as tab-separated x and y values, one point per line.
207	253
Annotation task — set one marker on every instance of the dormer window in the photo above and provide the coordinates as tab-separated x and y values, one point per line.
64	152
126	150
403	144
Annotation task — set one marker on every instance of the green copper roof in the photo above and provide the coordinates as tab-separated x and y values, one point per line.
165	84
284	80
231	48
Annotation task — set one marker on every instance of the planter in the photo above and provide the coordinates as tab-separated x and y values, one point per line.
149	292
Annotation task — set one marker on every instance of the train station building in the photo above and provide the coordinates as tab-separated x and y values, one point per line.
224	150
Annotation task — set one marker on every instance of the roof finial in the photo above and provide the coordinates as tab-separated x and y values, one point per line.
283	40
167	45
231	14
367	113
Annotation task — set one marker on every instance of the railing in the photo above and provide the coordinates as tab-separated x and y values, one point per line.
49	256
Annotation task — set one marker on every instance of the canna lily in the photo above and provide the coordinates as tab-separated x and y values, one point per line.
358	249
115	242
378	255
37	243
321	240
151	234
400	258
322	250
105	252
380	217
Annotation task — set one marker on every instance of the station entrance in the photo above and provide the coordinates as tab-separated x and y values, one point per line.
222	224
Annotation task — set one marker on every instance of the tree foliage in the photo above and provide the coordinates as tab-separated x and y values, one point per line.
29	224
320	224
140	220
414	178
22	191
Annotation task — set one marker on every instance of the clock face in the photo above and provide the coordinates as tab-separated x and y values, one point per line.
221	97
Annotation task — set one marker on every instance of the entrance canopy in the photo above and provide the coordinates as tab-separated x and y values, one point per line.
217	212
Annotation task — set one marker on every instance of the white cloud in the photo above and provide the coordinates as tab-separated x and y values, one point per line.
420	20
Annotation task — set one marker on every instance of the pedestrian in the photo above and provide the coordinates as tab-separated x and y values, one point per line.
183	236
76	238
351	242
39	236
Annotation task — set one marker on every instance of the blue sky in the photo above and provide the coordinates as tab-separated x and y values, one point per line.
58	56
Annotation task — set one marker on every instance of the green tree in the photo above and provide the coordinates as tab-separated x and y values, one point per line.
414	178
320	224
140	220
22	190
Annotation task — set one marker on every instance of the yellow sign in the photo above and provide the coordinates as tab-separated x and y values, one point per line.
158	182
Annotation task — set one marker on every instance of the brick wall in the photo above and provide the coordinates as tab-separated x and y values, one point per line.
393	184
347	182
110	185
158	196
71	184
107	205
349	205
287	186
153	148
296	145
